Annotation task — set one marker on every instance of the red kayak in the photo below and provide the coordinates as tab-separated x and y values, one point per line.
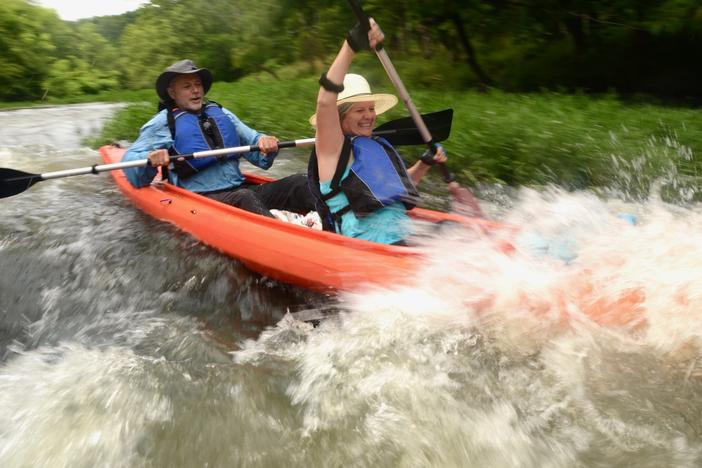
289	253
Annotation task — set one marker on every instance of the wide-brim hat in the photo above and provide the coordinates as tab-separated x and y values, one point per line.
184	67
357	89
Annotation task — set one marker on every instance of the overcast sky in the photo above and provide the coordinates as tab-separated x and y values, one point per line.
71	10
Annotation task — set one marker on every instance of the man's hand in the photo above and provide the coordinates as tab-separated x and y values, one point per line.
159	158
267	144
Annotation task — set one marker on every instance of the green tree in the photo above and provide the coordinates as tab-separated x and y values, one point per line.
25	48
86	65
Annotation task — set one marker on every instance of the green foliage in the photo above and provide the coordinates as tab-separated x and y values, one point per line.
594	45
111	27
73	76
277	48
154	41
574	141
42	56
25	48
87	67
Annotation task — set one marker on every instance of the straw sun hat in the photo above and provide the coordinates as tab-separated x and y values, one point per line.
357	89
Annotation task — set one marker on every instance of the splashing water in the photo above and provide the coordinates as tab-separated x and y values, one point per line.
519	358
126	343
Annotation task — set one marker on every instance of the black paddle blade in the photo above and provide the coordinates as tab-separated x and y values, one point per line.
13	182
404	131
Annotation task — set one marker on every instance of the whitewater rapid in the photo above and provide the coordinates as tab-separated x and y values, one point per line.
571	340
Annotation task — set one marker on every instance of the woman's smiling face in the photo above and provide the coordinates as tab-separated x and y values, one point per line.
360	119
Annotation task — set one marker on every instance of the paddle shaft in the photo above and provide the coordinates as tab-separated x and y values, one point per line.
145	162
389	130
416	116
397	132
401	90
404	95
464	197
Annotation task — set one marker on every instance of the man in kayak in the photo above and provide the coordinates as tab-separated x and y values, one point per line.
360	181
190	123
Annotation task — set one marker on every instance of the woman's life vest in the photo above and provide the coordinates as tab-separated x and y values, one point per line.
377	178
212	129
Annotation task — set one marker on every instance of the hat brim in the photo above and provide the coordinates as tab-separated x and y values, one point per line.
383	103
165	78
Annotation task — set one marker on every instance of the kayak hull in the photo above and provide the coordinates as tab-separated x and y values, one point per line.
286	252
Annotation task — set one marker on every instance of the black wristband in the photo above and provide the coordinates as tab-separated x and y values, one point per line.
330	86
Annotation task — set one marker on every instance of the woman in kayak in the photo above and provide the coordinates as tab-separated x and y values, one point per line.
361	183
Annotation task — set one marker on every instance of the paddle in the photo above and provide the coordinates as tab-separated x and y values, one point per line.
466	202
13	181
397	132
404	132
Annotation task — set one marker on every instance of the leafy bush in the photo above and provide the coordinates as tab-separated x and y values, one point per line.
575	141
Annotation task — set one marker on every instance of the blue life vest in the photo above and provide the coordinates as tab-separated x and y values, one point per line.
212	129
377	178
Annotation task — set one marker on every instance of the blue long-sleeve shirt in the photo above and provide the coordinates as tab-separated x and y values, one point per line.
224	175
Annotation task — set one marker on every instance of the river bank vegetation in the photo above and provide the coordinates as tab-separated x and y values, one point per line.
631	46
573	140
581	93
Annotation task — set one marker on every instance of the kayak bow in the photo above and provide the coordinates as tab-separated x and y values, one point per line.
289	253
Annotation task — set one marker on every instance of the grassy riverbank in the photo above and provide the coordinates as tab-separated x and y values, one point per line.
518	139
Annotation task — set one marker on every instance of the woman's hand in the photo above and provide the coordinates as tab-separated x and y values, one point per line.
360	39
375	34
439	157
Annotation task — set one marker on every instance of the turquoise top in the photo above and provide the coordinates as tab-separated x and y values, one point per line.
387	225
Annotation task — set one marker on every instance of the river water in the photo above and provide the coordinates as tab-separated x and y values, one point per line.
124	342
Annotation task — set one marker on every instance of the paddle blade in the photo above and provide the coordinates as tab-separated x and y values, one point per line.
13	182
464	201
405	132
